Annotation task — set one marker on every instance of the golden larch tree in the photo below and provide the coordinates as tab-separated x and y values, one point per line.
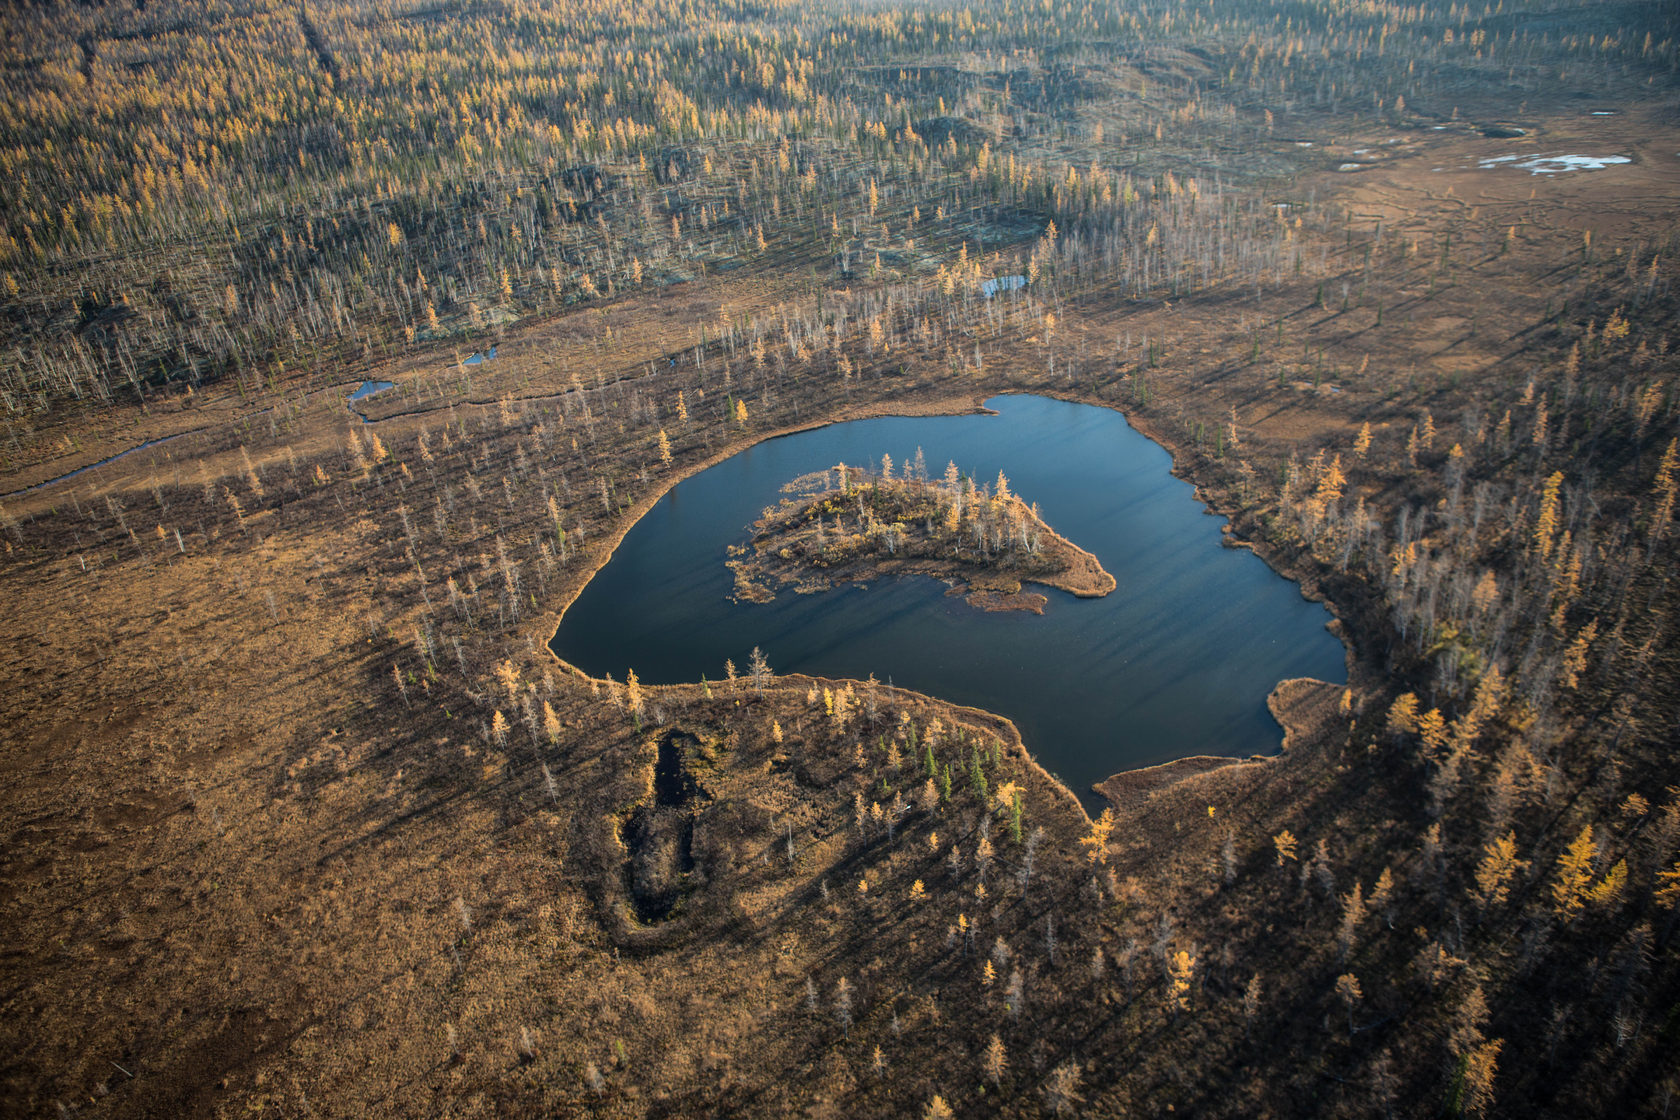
1432	729
1480	1066
1096	844
1499	865
1574	872
1608	889
1181	969
1403	715
1575	657
1362	442
1545	526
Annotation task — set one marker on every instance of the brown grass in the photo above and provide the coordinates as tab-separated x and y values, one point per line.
234	852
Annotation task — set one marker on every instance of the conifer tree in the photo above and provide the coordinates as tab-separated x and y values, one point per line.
1575	657
1664	488
1494	873
1432	729
1403	716
996	1061
633	696
1362	442
1251	1002
1347	990
1545	526
1353	913
1574	872
1480	1066
1608	889
1181	968
1096	844
843	1004
1061	1092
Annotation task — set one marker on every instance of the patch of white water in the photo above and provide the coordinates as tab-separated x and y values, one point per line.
1553	165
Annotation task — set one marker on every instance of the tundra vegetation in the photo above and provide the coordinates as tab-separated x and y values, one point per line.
302	817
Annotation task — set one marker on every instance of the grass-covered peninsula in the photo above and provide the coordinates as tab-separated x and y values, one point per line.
851	525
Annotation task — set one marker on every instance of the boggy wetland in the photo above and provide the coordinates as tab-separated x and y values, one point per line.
1177	661
1187	493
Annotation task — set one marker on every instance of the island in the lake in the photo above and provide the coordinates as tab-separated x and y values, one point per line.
851	525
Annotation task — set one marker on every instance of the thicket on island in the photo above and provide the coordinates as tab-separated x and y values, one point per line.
985	539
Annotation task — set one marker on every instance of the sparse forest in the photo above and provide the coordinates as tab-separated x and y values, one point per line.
303	817
982	539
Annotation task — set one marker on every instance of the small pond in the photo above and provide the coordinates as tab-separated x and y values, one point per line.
1177	661
371	388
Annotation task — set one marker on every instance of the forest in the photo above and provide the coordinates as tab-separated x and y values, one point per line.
302	815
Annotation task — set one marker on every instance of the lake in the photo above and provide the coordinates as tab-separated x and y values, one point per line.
1177	661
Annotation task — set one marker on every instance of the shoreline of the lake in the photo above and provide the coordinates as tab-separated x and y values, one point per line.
1301	706
1292	725
1002	727
599	554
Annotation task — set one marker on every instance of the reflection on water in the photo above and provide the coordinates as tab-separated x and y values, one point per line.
1177	661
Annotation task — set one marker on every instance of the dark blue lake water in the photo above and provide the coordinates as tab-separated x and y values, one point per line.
1177	661
371	388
